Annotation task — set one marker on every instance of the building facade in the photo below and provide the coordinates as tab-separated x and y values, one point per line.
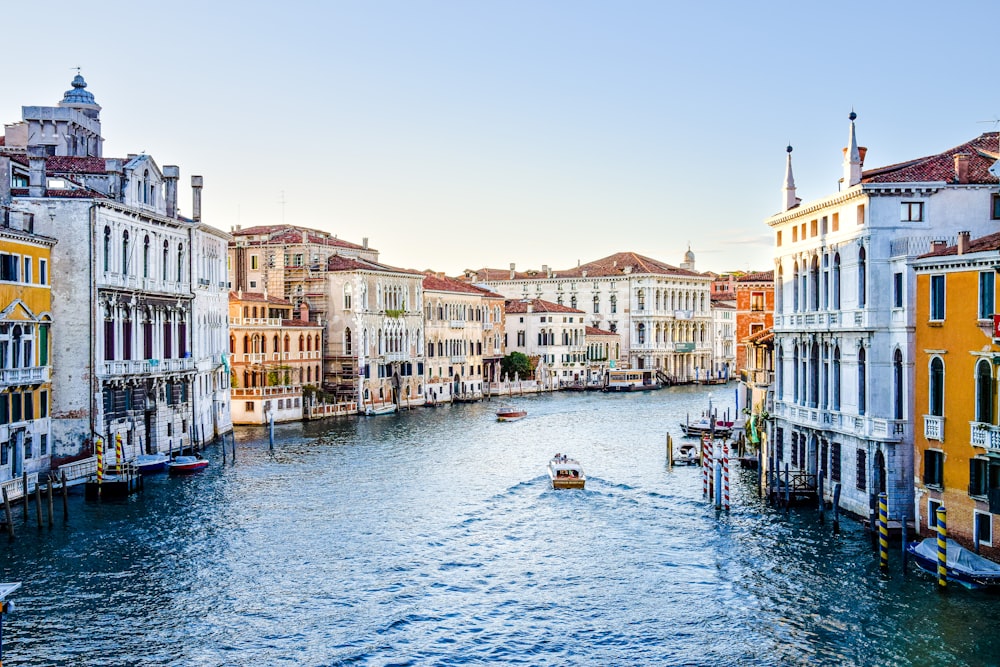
274	354
844	314
552	335
957	439
662	312
121	282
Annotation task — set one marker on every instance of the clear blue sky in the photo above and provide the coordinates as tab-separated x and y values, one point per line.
466	134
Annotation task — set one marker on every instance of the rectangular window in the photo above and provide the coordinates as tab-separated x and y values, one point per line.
978	477
15	407
777	239
8	267
29	406
835	461
43	272
932	508
254	263
911	211
984	527
995	208
937	298
43	404
835	223
861	214
861	471
249	406
27	270
933	467
43	444
813	227
987	303
897	290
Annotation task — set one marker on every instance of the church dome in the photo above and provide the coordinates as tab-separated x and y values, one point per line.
78	96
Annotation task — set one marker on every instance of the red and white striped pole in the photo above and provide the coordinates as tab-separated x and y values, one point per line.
705	464
725	477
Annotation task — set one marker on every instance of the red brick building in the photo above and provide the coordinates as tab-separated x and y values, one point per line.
754	310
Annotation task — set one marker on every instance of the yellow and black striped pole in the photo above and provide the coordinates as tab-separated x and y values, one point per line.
100	459
942	549
883	533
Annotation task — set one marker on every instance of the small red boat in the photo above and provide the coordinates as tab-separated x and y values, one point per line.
186	464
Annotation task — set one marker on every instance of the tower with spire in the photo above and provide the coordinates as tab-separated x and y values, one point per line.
72	128
853	158
789	200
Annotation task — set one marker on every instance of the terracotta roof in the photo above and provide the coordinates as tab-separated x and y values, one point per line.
982	244
299	323
757	277
618	264
537	306
341	263
434	282
258	296
982	151
762	337
723	303
289	234
594	331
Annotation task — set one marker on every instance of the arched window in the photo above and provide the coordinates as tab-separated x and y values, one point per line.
305	343
984	392
125	252
862	371
146	187
795	288
778	373
572	301
232	345
275	344
814	376
935	392
641	331
288	343
347	298
862	278
640	299
145	257
246	344
814	284
835	377
836	281
166	261
779	288
614	303
795	374
180	263
107	248
347	341
897	381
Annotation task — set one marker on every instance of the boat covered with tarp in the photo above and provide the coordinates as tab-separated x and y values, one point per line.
963	566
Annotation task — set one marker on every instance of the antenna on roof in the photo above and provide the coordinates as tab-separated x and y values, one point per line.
282	202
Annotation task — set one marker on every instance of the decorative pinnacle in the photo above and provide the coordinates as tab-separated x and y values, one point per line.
789	148
852	115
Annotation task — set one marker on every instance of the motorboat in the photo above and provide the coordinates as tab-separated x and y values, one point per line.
687	455
374	410
186	464
509	413
150	463
722	429
566	473
963	566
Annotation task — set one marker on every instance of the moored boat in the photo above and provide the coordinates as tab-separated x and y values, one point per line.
722	429
509	413
963	566
150	463
566	473
687	455
186	464
380	409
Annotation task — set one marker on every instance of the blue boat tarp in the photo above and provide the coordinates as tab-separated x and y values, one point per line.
962	564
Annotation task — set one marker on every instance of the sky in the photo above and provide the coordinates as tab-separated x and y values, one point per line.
466	134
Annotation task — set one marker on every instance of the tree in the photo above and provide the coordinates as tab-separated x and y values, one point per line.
516	362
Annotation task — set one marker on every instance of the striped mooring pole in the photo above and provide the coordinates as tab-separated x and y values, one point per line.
942	545
706	461
725	477
118	452
883	533
100	459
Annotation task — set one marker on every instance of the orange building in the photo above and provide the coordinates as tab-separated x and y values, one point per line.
957	435
273	356
754	310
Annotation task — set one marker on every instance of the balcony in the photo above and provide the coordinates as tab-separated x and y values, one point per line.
145	366
986	436
487	326
19	376
456	324
255	321
457	359
934	428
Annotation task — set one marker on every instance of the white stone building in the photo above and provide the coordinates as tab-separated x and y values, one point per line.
723	362
555	335
662	312
124	360
844	314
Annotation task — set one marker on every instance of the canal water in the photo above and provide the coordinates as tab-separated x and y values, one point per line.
432	538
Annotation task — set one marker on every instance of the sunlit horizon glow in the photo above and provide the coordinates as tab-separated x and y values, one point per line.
467	135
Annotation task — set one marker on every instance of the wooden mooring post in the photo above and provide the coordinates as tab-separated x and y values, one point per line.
670	451
819	495
24	494
48	487
65	495
38	504
836	507
8	514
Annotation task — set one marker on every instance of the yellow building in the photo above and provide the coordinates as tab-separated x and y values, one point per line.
25	363
957	358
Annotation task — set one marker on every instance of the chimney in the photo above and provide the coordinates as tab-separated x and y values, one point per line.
196	183
171	174
530	307
364	243
4	182
304	311
512	270
113	168
962	168
963	243
36	171
938	245
545	270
